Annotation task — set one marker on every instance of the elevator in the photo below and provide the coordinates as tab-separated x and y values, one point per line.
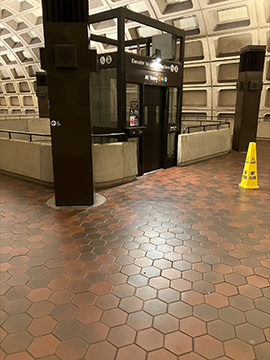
157	109
136	87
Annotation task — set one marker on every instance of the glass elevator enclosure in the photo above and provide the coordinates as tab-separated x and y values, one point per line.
136	87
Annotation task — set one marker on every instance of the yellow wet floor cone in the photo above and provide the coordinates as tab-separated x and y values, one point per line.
249	177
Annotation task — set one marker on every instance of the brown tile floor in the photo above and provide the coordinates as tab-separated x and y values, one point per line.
174	266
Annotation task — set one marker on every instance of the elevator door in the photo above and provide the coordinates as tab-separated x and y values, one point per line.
153	119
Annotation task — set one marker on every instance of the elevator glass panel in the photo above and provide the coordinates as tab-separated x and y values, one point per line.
103	87
133	112
172	113
133	105
172	128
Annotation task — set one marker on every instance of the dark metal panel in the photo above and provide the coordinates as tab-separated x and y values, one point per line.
70	114
121	71
164	129
180	92
65	11
42	58
153	139
249	88
42	94
247	110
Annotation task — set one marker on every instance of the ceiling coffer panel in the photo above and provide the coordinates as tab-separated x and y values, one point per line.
216	30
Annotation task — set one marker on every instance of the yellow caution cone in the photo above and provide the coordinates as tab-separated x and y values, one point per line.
249	177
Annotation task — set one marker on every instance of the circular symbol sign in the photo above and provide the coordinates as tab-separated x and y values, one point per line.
108	59
102	60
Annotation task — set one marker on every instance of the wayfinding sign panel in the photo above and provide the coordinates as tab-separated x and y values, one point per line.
141	69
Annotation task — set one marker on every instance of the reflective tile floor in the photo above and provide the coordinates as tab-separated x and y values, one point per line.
174	266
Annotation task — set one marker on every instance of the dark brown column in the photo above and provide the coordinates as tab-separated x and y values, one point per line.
67	65
249	87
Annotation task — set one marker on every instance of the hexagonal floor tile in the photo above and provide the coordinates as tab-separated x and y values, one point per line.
131	352
166	323
249	333
122	335
139	320
114	317
178	343
101	351
149	339
193	326
239	350
155	307
208	347
221	330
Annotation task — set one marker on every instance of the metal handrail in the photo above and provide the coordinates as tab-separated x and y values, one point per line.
204	126
205	121
121	134
23	133
202	117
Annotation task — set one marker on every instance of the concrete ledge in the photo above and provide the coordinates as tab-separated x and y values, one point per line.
30	159
263	131
201	146
113	164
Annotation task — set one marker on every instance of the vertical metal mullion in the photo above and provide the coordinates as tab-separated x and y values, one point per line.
180	92
147	47
142	91
142	122
121	72
165	129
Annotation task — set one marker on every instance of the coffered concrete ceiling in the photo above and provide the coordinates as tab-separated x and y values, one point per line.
216	30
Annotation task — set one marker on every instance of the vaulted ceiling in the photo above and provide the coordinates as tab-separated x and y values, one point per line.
216	30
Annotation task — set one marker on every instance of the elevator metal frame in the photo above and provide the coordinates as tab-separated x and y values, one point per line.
123	15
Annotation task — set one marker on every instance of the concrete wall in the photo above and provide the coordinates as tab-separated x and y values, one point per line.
38	125
263	130
31	159
113	164
202	145
35	125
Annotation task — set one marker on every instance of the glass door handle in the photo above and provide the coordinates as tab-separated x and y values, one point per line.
146	115
157	115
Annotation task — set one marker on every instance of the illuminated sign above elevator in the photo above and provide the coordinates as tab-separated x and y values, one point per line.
155	65
142	69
